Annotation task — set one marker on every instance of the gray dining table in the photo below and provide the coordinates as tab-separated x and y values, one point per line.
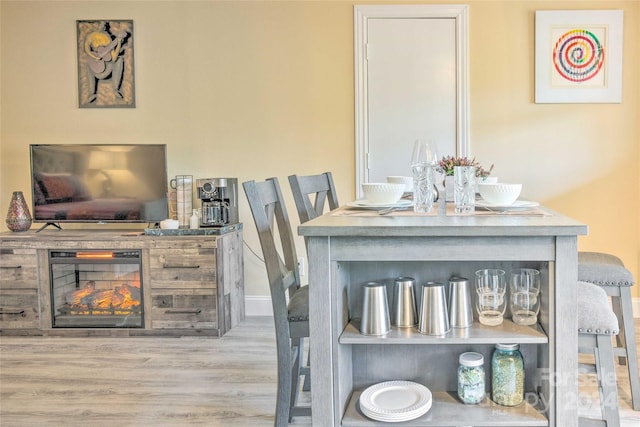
350	247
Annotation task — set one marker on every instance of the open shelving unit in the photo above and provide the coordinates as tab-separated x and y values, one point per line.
406	354
447	410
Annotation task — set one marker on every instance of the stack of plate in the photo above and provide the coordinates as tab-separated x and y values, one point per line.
517	205
365	204
395	401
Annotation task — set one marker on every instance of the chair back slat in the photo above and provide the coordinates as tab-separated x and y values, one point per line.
276	239
289	279
312	193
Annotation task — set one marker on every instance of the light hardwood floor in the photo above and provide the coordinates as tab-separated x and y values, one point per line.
228	381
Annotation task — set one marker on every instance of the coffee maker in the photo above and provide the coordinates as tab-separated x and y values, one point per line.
219	197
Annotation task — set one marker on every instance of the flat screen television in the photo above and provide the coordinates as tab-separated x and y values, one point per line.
98	183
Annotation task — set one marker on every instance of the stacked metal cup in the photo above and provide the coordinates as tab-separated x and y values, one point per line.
404	303
375	310
460	308
434	319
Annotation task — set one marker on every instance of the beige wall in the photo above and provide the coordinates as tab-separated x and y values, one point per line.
265	88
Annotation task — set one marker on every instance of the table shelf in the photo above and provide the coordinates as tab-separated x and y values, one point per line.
447	410
476	334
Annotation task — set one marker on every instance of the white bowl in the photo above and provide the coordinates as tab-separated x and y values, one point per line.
406	180
169	224
500	193
382	192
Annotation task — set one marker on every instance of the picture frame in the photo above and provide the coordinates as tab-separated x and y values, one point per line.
105	63
578	56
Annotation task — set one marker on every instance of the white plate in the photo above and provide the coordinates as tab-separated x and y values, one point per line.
364	204
517	205
395	401
395	418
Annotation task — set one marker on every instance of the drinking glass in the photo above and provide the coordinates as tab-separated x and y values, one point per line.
183	186
491	288
423	162
525	296
464	196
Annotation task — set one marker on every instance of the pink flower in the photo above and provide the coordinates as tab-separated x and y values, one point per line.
447	163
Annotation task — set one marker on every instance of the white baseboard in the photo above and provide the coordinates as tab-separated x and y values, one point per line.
257	305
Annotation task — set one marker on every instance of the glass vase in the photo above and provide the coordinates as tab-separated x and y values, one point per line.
449	188
18	216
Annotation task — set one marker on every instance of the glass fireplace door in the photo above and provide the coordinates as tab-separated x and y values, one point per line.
96	289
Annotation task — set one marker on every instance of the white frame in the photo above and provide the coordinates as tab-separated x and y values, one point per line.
362	13
609	21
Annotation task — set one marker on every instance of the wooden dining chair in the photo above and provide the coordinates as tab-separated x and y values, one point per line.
311	192
291	318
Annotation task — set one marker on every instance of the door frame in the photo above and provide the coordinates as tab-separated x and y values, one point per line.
362	13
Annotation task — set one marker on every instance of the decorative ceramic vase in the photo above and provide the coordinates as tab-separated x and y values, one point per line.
18	217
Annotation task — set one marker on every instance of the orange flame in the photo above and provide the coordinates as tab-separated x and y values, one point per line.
94	255
124	297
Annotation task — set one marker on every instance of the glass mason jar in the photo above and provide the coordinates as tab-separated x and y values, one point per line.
471	379
507	375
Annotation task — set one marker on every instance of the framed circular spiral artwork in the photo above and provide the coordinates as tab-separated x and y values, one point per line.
579	56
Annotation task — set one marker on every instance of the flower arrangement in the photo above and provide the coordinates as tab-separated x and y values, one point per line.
445	166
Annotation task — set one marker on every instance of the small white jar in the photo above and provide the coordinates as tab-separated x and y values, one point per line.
471	378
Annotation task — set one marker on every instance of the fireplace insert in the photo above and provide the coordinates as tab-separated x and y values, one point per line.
96	289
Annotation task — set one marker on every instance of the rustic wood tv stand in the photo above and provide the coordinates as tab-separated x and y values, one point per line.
192	282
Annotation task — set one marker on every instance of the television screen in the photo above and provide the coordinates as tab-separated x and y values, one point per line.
99	183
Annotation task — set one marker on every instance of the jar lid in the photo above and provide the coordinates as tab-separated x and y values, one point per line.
507	346
471	358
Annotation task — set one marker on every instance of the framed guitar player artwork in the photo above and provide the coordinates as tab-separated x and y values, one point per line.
105	64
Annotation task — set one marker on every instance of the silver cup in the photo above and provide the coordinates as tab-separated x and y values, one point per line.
375	310
434	319
404	303
460	308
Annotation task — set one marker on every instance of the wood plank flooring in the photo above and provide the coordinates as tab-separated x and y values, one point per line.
228	381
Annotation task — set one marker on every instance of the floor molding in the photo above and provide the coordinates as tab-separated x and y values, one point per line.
636	308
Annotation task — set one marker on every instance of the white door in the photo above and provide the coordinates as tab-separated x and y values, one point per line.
411	65
410	84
